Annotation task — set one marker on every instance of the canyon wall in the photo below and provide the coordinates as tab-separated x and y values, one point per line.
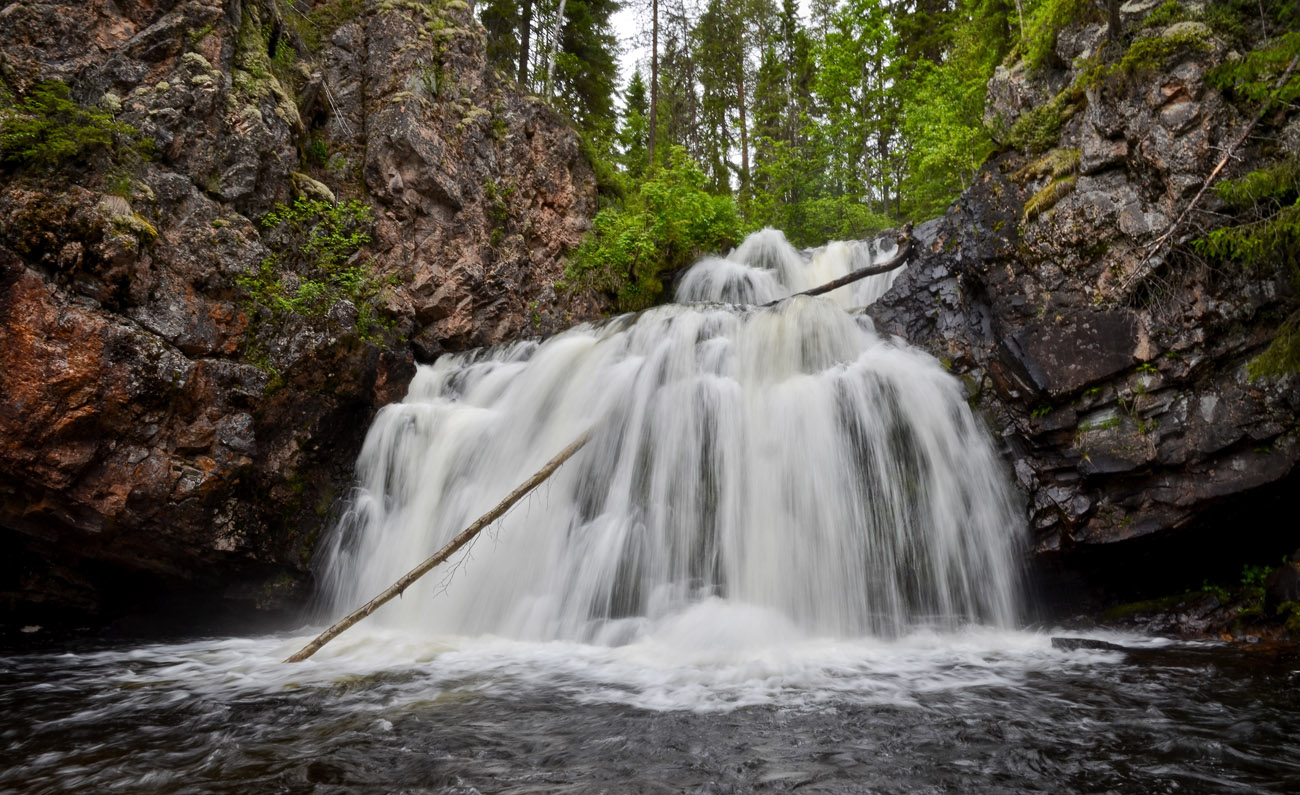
178	419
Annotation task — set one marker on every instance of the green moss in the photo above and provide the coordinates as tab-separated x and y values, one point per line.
1046	199
1044	23
1153	53
1283	354
255	77
1055	164
316	26
1039	129
1167	14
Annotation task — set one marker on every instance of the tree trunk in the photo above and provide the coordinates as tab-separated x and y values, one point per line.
555	49
525	37
744	132
1112	20
654	80
904	241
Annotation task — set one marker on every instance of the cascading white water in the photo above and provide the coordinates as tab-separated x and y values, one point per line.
787	461
765	268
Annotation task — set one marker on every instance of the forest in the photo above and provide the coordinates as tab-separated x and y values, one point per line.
834	122
830	125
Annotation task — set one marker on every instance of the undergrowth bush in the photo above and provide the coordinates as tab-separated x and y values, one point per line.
668	222
47	129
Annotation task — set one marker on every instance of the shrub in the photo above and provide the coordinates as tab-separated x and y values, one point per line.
665	225
47	129
315	262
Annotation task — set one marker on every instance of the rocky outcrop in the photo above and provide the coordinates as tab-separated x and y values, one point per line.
1116	382
157	443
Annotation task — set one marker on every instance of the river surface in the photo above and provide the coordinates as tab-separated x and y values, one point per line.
687	709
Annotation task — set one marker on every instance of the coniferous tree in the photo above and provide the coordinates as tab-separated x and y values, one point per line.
717	46
585	66
634	134
500	20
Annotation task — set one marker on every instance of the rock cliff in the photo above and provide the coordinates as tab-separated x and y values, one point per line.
179	415
1113	369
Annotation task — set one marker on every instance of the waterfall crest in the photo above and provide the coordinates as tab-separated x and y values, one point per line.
787	458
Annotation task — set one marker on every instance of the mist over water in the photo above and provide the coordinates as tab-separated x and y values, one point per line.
786	459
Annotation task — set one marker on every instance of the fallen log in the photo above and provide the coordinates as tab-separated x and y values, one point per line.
441	555
904	241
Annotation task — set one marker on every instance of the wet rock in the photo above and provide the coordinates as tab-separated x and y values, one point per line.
1282	585
154	438
1123	404
1084	644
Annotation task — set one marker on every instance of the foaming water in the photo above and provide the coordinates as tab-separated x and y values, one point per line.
785	458
765	268
687	706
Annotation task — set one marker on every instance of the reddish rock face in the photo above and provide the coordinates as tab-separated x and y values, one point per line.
150	452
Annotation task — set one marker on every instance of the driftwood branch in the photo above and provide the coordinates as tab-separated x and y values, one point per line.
447	551
1141	270
904	241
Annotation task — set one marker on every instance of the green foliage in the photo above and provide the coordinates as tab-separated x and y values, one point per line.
47	129
1044	22
1253	77
1266	229
634	134
1266	234
1276	183
839	218
944	120
667	223
1271	240
585	69
315	263
497	208
1289	614
316	152
1254	576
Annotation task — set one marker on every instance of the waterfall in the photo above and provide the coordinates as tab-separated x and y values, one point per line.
787	459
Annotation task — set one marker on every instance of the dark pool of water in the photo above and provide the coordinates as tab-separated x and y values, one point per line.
221	716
